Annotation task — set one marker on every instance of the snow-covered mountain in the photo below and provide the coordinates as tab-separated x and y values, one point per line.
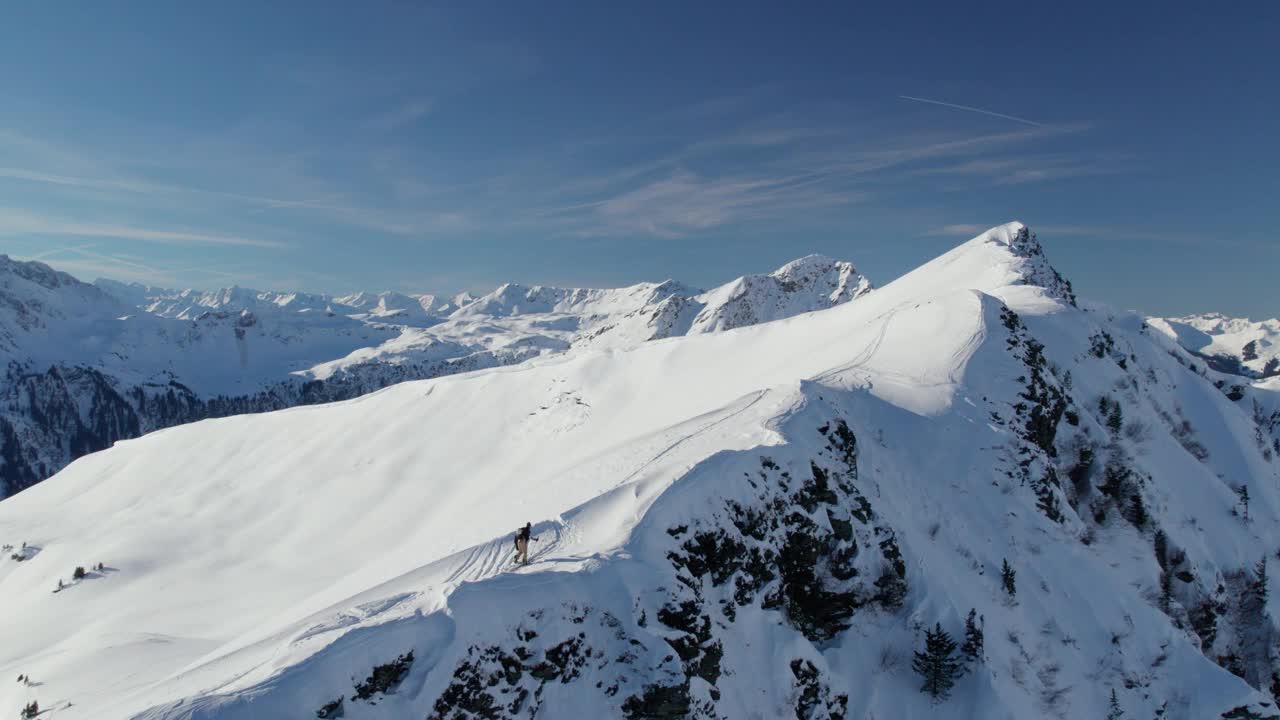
751	524
1234	345
87	365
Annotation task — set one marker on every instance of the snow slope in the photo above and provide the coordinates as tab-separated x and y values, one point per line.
745	524
87	365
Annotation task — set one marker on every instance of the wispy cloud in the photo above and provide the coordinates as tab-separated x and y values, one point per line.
406	114
86	264
1115	232
13	173
1021	169
856	161
21	222
678	173
58	251
954	106
957	230
90	266
684	203
1103	233
143	187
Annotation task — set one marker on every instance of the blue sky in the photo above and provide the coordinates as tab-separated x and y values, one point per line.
445	146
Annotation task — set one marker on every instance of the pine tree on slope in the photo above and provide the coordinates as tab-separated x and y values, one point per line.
971	648
1008	578
1114	712
938	664
1255	633
1166	592
1249	351
1115	419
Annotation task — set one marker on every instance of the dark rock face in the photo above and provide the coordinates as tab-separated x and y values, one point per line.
815	700
1040	272
510	681
384	678
811	547
795	539
54	417
1037	411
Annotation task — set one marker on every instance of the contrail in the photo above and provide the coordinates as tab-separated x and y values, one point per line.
972	109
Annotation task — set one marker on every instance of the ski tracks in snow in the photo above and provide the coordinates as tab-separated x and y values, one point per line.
758	396
498	555
864	356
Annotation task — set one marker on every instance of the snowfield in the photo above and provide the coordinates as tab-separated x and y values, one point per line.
757	522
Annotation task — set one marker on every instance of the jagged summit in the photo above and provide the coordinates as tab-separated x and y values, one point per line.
36	272
1006	260
809	283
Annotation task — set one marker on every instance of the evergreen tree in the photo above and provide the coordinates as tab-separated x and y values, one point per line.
1137	511
1243	492
1166	592
1249	351
1255	633
971	648
937	664
1204	620
1008	578
1115	420
1113	708
1046	499
1162	549
1271	368
1259	585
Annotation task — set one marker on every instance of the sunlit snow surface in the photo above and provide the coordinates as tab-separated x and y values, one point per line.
261	565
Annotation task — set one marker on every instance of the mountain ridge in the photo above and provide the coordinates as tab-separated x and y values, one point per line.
750	523
178	356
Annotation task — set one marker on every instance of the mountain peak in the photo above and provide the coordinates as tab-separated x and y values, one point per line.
1038	271
36	272
812	282
1005	257
808	262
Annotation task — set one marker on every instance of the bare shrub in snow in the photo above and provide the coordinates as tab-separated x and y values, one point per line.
1052	696
1137	432
890	658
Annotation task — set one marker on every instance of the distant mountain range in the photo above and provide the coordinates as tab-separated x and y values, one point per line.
90	364
1233	345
